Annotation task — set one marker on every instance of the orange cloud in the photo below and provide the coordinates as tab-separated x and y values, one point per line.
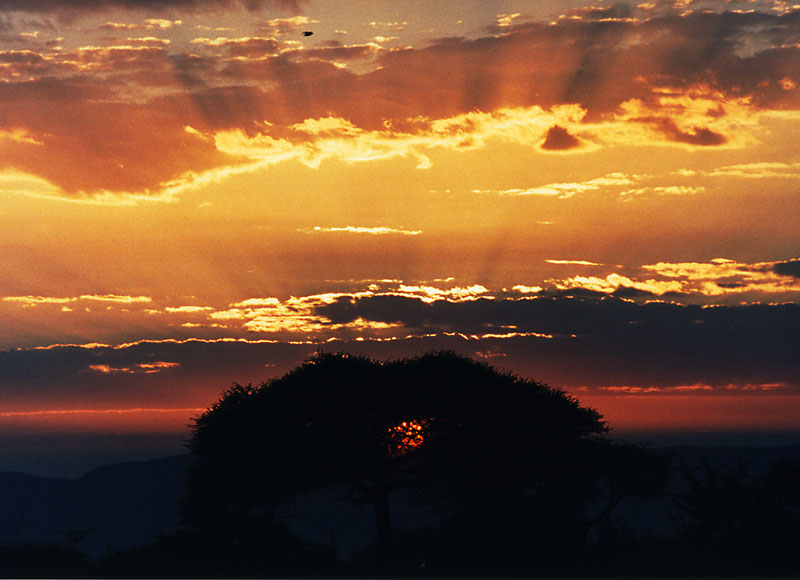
143	153
650	78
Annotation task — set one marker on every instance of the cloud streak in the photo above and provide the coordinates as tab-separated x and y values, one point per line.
573	262
110	298
373	231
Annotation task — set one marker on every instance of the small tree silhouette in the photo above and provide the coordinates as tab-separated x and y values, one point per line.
498	458
730	521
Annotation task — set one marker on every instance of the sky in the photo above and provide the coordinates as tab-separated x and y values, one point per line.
599	196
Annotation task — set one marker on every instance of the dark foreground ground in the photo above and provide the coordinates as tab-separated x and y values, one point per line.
122	520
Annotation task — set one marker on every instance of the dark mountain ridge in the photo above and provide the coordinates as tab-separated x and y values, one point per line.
109	508
120	506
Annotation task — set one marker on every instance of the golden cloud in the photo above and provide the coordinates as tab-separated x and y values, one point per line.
141	368
762	170
523	289
663	190
34	300
113	298
282	26
573	262
116	298
187	309
161	23
716	278
432	293
19	135
569	189
299	315
375	231
613	282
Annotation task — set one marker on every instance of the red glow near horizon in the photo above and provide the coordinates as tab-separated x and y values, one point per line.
92	411
627	413
134	420
697	412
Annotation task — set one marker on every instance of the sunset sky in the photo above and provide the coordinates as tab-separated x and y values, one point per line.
601	196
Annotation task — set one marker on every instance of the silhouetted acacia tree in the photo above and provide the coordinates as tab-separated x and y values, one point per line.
498	458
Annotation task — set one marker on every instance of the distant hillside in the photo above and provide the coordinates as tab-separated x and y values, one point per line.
653	515
756	458
125	504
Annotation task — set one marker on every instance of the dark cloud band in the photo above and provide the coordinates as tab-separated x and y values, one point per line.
790	268
591	341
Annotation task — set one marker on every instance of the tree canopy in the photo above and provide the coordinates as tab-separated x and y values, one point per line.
471	443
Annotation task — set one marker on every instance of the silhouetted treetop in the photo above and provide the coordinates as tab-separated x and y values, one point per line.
454	431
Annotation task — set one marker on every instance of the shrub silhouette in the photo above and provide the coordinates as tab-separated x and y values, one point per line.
509	466
258	551
730	521
43	560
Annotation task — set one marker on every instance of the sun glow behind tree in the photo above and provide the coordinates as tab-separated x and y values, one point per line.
407	436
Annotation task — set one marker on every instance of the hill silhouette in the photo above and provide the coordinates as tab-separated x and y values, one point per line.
121	505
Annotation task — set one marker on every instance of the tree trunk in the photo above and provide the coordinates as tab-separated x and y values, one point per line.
383	522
